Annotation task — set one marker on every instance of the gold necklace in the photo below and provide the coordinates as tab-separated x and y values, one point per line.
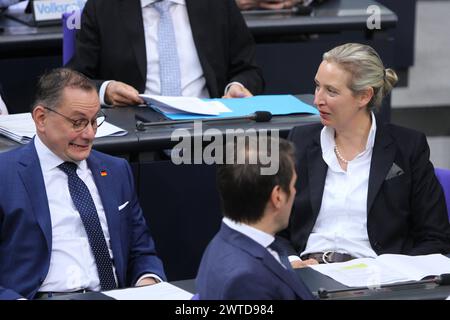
338	154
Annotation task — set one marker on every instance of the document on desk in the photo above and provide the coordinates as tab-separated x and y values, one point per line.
385	269
184	105
159	291
190	108
282	104
20	128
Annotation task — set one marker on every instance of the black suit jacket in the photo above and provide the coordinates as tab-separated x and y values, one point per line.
406	211
111	44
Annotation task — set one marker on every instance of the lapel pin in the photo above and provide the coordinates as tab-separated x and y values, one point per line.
103	173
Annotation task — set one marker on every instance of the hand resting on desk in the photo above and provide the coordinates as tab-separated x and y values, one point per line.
147	282
237	91
121	94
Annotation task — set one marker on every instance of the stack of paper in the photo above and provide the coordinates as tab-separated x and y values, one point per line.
159	291
188	108
174	105
385	269
20	127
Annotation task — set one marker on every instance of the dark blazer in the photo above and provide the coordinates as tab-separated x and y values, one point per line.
111	44
236	267
405	202
25	226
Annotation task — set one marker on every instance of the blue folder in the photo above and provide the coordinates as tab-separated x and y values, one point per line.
275	104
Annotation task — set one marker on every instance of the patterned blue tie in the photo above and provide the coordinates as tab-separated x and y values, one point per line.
82	199
282	253
169	65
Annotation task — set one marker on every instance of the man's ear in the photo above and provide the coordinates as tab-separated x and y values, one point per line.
39	116
276	197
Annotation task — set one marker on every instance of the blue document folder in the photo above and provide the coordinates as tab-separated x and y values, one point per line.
276	104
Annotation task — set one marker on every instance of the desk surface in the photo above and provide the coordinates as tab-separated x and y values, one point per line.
317	281
158	138
335	16
307	274
332	16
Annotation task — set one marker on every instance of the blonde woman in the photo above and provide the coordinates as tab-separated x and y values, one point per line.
364	188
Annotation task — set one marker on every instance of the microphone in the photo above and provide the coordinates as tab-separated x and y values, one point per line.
257	116
443	279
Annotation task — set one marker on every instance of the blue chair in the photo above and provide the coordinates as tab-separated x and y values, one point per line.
443	176
195	297
70	23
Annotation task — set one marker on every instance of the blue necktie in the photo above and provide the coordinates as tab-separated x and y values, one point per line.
282	253
82	199
169	65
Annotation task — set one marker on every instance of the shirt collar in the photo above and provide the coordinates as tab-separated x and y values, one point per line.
327	139
257	235
48	160
145	3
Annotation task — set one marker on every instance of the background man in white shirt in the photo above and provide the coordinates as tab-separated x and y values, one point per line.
70	231
118	41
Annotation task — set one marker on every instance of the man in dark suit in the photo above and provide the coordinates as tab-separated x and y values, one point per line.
244	260
46	242
365	188
118	40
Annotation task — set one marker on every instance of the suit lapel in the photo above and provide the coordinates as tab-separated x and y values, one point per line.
104	180
243	242
382	160
132	18
289	277
317	172
198	17
31	174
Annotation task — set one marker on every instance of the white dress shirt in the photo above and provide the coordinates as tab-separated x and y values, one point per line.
257	235
72	264
3	109
193	83
342	221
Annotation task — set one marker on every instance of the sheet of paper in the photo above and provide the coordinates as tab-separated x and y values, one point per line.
174	105
108	129
282	104
366	272
159	291
417	267
18	127
385	269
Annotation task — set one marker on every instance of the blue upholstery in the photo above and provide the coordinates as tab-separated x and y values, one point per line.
195	297
443	176
70	22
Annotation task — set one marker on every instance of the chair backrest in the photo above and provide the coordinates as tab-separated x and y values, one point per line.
70	23
443	176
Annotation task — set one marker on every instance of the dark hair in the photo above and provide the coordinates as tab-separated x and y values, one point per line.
52	84
244	191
